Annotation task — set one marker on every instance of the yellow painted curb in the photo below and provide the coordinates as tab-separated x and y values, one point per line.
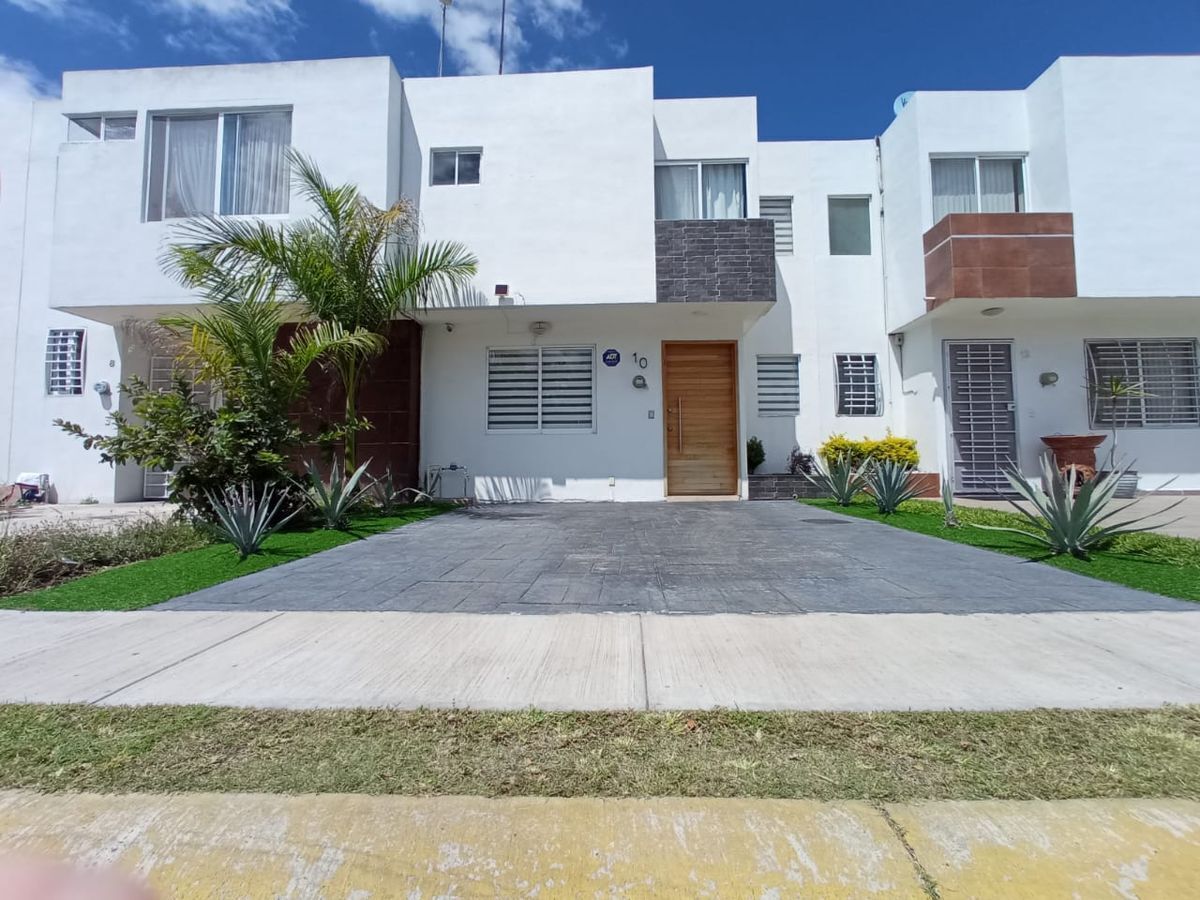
213	845
1073	848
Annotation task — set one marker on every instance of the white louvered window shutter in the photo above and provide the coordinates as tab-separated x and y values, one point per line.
64	361
512	402
541	389
857	384
779	210
1161	379
779	385
567	376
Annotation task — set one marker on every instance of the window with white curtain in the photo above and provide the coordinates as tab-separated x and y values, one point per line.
541	389
850	226
1143	383
977	184
700	190
779	385
234	164
64	362
857	384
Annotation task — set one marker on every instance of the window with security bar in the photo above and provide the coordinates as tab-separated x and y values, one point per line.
857	384
779	385
1143	383
541	389
64	362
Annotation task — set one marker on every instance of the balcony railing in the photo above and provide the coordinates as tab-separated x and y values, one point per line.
1000	255
715	260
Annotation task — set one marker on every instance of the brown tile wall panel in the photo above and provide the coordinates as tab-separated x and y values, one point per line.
1000	255
390	398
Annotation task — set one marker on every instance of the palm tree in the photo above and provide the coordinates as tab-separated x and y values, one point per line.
233	345
351	263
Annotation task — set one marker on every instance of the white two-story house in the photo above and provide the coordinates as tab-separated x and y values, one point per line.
655	284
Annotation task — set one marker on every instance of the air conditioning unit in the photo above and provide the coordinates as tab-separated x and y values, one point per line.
452	482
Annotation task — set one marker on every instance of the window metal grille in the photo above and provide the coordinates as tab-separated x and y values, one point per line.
857	384
64	361
779	385
541	389
1162	377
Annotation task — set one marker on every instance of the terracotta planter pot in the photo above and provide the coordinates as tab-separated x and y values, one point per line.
1075	450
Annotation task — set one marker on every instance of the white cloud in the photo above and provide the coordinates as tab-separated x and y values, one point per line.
20	85
473	27
78	14
221	27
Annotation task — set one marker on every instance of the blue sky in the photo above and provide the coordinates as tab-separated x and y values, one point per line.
820	70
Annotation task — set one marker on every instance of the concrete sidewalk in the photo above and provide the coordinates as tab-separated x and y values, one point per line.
212	845
603	661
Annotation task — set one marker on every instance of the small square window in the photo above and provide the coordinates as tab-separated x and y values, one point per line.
850	226
120	128
455	166
779	385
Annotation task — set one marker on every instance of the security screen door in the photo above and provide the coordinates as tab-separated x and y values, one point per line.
983	417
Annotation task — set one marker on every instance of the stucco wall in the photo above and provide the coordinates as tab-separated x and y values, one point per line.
627	445
1049	336
564	208
104	253
826	304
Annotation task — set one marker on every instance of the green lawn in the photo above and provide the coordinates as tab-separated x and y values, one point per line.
153	581
1036	754
1158	563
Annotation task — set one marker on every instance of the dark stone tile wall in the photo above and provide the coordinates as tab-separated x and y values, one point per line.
709	260
783	487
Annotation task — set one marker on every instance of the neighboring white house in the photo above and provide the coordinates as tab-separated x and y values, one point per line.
655	285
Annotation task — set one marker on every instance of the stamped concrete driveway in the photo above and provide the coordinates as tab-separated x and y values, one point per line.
781	558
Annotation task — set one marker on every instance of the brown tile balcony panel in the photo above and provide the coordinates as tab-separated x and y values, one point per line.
996	255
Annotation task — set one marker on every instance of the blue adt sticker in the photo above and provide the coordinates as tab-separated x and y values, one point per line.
611	357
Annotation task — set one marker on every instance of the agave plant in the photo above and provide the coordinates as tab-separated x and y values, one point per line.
950	516
890	484
839	478
389	495
1071	512
246	519
333	500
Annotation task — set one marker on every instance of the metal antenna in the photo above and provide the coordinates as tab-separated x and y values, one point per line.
503	18
442	45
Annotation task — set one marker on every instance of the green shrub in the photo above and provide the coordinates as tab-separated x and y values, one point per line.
755	454
55	551
899	450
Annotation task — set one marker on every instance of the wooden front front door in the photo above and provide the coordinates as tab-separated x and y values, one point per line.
701	417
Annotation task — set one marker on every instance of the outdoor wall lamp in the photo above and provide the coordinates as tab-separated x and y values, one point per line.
1046	379
639	382
103	388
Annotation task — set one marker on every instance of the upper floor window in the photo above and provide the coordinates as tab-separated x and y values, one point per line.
455	166
850	226
700	190
81	129
977	184
1162	378
779	211
232	163
857	384
64	361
